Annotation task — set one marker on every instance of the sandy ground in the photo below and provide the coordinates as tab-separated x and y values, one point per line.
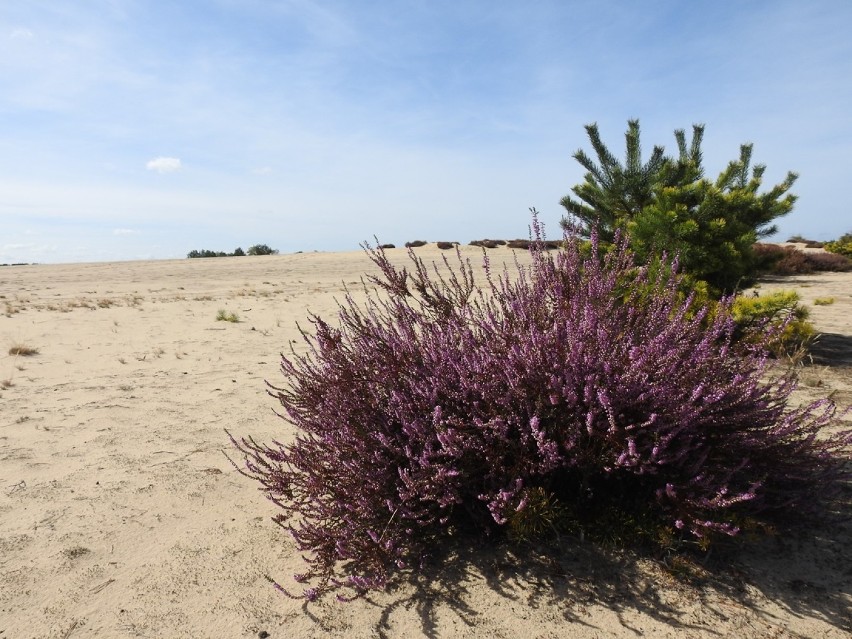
121	517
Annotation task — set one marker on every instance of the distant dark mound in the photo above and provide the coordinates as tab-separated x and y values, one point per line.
798	239
489	244
548	245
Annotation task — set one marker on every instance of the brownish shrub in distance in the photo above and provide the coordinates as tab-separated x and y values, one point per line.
415	244
447	245
548	245
792	262
787	260
829	262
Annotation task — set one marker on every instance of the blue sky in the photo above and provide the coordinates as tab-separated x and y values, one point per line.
138	129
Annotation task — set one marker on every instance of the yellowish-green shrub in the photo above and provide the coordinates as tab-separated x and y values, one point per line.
780	312
841	246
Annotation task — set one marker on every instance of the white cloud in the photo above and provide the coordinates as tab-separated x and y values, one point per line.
263	170
21	34
125	232
163	165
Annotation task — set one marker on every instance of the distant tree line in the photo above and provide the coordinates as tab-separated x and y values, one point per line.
257	249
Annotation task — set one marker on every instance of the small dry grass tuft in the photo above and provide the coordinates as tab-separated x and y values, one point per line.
227	316
23	350
76	552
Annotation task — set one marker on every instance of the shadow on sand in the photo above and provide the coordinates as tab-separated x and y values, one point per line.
808	576
832	349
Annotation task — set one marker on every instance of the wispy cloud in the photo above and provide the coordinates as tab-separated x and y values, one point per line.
125	232
21	33
164	165
263	170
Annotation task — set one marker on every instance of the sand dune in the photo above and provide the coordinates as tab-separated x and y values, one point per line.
121	517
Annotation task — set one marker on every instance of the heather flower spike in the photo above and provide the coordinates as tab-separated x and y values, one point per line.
565	390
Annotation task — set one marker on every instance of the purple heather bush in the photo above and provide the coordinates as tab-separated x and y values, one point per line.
786	260
580	390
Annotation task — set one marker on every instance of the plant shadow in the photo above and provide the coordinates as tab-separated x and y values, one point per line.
808	575
832	349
